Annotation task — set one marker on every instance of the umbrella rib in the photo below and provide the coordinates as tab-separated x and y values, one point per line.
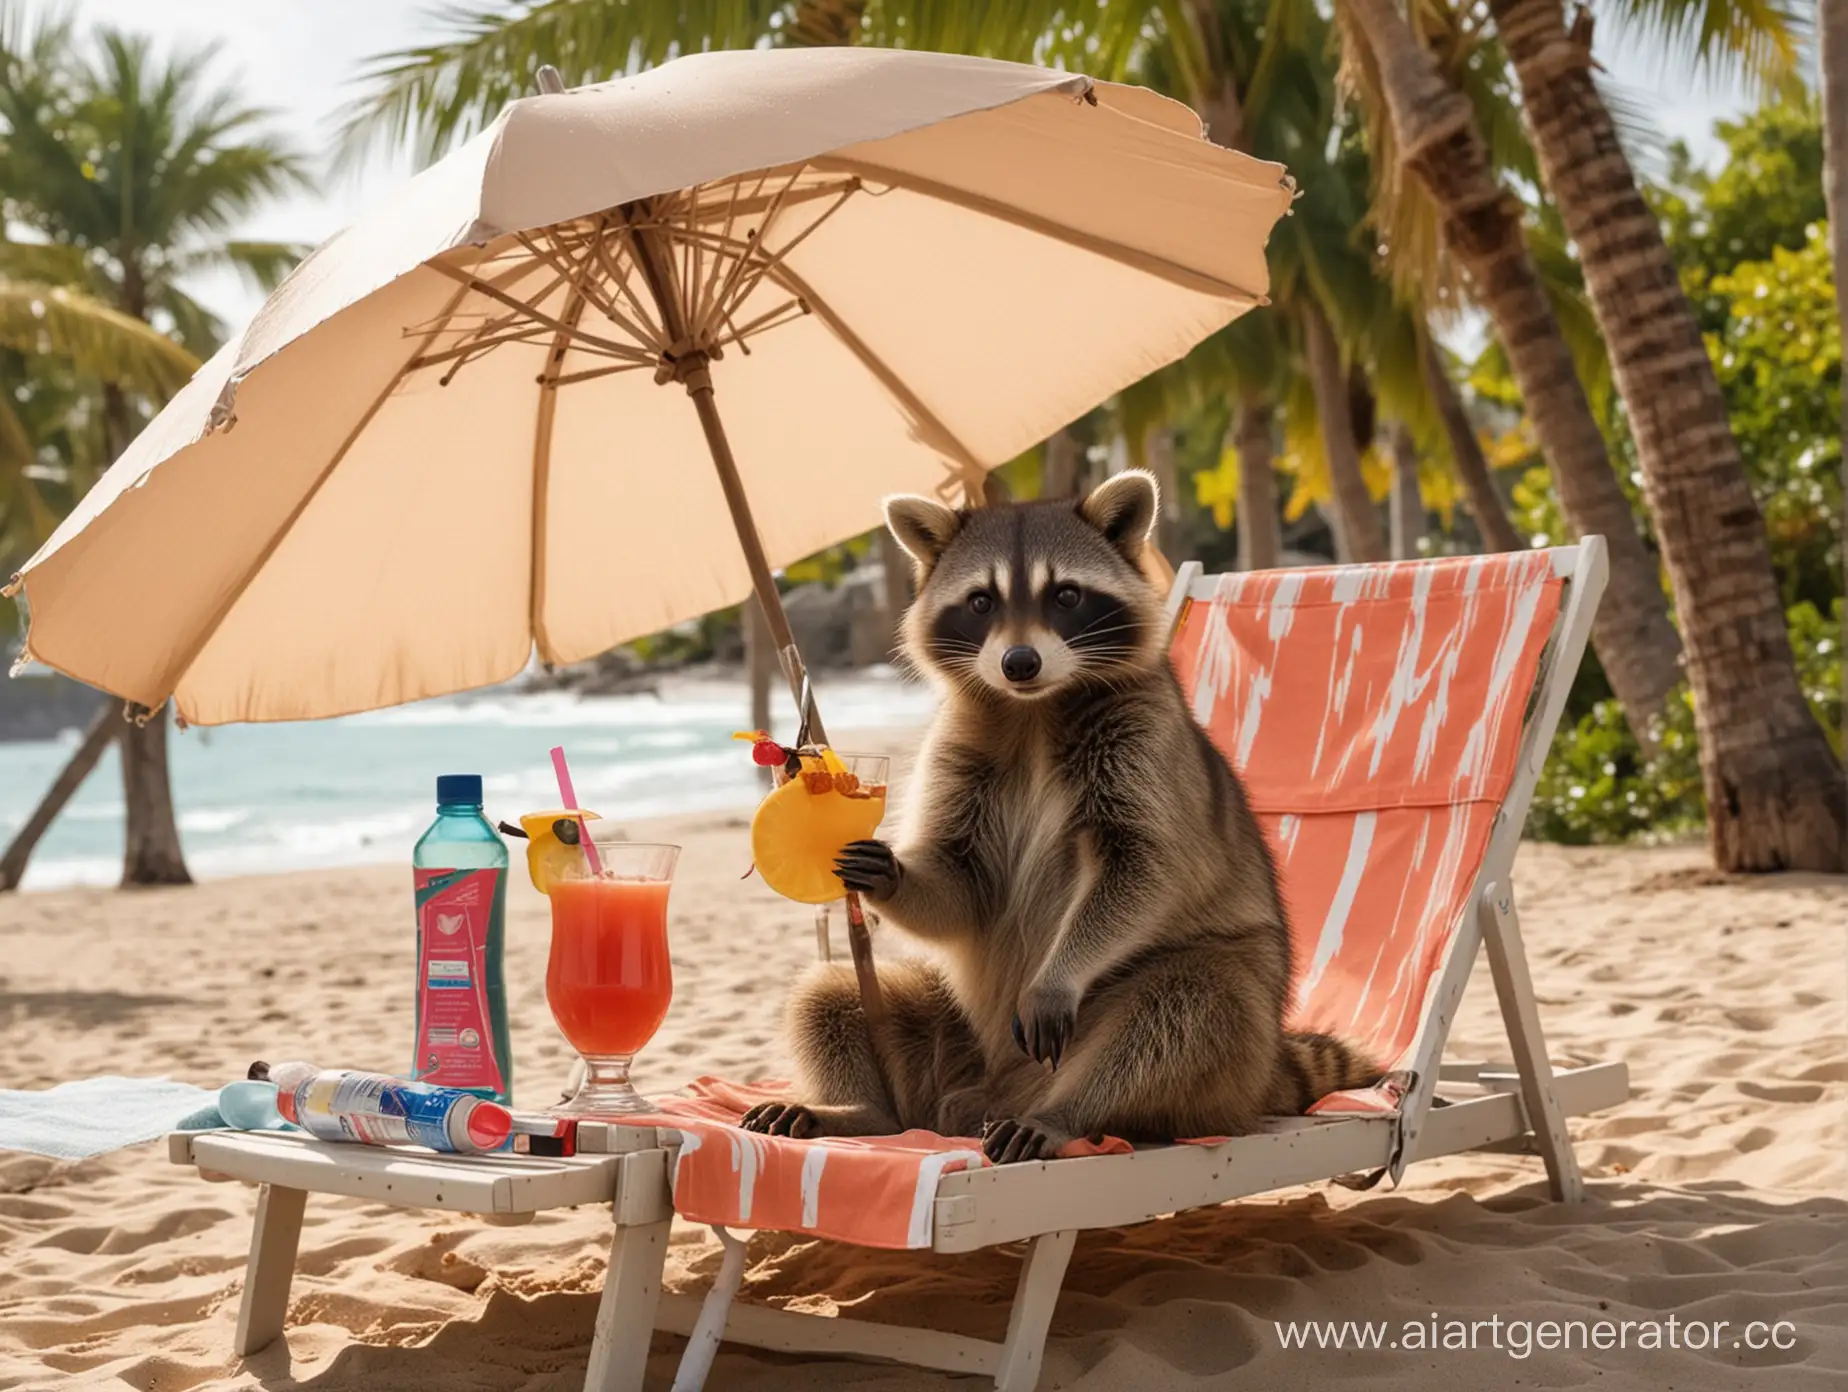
654	335
1136	259
587	285
774	259
703	300
542	455
769	319
590	374
210	631
931	428
738	267
469	282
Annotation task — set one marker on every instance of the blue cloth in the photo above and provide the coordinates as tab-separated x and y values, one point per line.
73	1121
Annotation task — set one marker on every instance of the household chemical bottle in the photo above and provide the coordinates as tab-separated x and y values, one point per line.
460	874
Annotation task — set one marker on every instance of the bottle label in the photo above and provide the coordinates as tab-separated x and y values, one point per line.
377	1109
456	1044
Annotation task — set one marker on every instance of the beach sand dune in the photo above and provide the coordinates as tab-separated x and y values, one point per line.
1718	1192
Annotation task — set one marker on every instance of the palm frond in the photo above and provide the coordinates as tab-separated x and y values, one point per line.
264	264
196	327
46	263
433	96
1716	40
98	341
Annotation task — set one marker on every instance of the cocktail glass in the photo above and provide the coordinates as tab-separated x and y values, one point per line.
609	980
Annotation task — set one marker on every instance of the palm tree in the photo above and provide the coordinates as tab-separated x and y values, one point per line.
1408	509
1485	503
133	167
1832	29
437	94
1259	73
1424	126
1776	796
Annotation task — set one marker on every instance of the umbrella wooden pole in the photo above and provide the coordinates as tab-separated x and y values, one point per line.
699	387
691	367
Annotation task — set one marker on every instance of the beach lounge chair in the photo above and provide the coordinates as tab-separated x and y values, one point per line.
1390	722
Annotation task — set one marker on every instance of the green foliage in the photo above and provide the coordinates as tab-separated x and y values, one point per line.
1778	355
1818	643
827	567
1750	246
1599	789
1765	195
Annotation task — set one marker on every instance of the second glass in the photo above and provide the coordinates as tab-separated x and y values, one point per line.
609	980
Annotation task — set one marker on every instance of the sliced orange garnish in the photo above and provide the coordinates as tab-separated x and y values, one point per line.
549	858
804	825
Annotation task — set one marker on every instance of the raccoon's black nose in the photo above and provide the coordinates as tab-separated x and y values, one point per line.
1020	664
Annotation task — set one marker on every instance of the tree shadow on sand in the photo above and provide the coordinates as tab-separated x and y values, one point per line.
82	1009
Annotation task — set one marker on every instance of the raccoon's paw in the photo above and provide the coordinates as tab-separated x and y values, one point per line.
790	1119
1045	1021
1005	1142
869	867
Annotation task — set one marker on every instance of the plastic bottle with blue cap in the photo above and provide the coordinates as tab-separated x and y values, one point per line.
459	870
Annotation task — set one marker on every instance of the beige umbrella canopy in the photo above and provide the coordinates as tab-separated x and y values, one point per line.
459	431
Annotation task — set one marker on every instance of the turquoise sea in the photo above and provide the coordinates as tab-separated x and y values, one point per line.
259	798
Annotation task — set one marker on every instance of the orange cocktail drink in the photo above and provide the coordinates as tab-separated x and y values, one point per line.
609	980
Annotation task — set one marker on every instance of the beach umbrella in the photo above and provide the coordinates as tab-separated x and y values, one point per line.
461	430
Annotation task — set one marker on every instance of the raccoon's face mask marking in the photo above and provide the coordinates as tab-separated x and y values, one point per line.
1028	599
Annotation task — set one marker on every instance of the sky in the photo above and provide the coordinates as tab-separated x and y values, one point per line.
299	57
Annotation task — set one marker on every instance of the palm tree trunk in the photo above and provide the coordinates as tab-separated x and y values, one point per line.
1485	503
103	728
152	854
760	665
1442	148
1158	449
1356	518
897	597
1775	794
1260	540
1059	466
1408	509
1832	26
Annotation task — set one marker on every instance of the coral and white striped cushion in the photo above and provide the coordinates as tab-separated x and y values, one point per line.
878	1191
1374	714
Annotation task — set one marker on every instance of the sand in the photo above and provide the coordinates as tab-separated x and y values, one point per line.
1719	1191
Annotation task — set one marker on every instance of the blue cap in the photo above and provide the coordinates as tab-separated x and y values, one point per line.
459	787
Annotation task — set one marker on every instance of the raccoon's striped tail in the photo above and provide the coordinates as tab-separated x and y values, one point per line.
1313	1065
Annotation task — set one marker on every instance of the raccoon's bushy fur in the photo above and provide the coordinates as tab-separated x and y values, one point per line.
1109	948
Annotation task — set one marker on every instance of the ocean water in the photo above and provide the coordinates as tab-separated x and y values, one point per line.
258	798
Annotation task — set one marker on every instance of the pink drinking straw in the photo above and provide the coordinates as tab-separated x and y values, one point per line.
569	798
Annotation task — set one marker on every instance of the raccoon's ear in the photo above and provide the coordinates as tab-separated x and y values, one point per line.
1122	507
924	528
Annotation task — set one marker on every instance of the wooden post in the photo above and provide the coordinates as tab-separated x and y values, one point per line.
1514	989
1035	1296
269	1268
626	1313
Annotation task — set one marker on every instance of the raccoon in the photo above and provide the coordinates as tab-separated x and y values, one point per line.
1109	952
